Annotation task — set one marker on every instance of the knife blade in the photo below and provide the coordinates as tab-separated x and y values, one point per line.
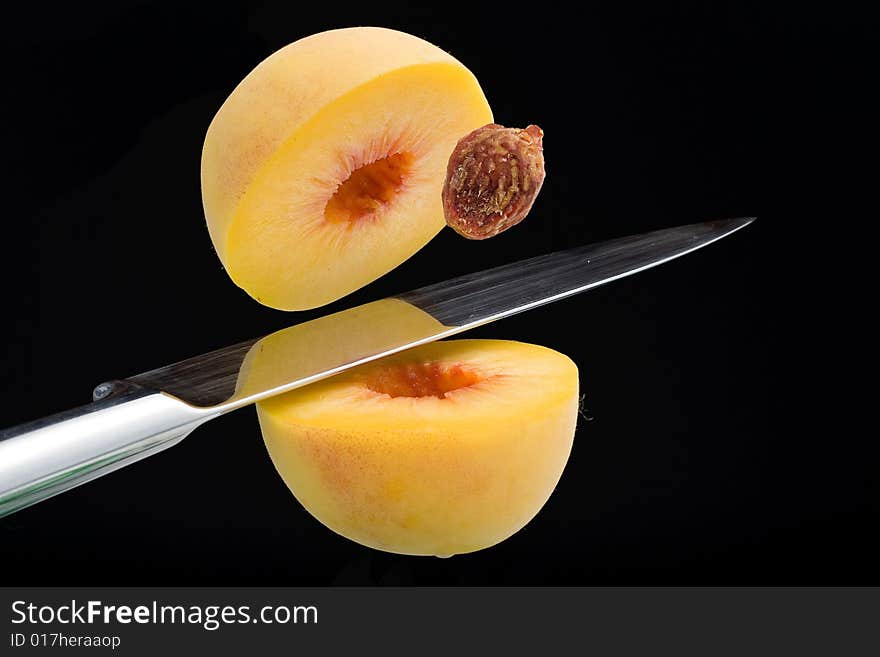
138	416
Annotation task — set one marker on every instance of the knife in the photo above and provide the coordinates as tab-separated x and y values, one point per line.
136	417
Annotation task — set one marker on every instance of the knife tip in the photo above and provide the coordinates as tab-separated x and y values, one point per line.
731	225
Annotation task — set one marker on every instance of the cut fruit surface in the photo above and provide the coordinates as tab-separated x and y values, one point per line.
324	167
325	343
443	449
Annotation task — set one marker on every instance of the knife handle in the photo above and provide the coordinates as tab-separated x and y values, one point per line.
45	457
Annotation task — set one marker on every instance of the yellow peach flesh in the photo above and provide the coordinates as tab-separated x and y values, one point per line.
444	449
315	184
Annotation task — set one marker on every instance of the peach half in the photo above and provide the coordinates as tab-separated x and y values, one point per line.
444	449
323	169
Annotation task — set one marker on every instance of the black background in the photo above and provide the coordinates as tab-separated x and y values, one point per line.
689	469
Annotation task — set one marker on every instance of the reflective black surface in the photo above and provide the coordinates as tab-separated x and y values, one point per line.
688	465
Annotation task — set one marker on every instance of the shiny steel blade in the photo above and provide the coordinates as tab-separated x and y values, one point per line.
304	353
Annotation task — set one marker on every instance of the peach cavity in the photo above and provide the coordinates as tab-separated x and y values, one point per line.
369	190
431	379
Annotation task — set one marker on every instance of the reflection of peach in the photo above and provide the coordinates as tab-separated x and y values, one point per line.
328	342
323	169
443	449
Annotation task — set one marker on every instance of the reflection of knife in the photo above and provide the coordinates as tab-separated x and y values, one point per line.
139	416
